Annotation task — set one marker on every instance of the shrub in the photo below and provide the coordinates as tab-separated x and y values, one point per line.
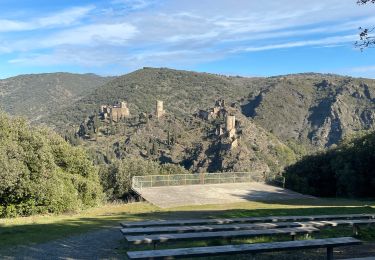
42	173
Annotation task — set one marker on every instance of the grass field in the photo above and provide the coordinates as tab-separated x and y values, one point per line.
37	229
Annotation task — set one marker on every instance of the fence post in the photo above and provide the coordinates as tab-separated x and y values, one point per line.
201	177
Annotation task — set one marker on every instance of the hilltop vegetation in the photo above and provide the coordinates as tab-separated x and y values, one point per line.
315	110
344	171
35	96
183	92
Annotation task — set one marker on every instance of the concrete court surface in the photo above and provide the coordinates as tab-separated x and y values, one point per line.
174	196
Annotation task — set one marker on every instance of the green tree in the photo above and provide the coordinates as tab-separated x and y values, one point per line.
41	173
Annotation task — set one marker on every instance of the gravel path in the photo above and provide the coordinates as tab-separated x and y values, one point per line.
100	244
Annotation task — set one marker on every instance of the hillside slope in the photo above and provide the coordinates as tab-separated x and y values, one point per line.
37	95
316	110
198	144
183	92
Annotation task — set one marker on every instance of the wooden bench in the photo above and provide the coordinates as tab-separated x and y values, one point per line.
184	222
160	238
207	228
333	223
328	243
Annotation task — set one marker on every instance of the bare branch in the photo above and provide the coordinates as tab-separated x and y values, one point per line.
366	37
363	2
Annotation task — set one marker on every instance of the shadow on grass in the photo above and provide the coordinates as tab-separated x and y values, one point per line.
288	197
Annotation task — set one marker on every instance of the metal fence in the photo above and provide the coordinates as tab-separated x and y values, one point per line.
139	182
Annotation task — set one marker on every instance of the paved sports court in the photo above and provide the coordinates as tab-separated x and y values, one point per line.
174	196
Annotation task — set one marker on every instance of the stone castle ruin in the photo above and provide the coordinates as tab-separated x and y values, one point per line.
227	132
217	111
115	112
120	110
159	111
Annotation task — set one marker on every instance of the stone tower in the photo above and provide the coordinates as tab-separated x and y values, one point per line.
231	126
159	112
230	123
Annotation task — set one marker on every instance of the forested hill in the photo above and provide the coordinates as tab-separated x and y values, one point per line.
183	92
37	95
313	109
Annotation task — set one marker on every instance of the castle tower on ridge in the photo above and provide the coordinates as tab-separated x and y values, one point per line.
230	123
231	126
159	112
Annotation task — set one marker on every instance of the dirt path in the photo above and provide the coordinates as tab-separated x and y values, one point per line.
100	244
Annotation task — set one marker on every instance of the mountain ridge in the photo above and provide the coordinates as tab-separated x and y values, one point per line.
315	109
36	95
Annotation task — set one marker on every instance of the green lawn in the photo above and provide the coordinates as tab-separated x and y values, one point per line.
36	229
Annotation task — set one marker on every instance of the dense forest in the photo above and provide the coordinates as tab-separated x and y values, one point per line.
344	171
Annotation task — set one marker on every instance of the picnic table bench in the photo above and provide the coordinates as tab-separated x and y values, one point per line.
160	238
328	243
183	222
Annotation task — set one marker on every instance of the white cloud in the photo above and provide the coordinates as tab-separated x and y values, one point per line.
95	34
329	41
130	33
63	18
10	25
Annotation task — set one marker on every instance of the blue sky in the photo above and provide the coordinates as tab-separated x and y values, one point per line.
235	37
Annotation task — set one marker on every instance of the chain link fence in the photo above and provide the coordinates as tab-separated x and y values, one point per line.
140	182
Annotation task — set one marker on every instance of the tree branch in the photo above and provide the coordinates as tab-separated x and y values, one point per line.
363	2
366	38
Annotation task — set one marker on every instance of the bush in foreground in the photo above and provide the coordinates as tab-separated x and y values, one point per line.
41	173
